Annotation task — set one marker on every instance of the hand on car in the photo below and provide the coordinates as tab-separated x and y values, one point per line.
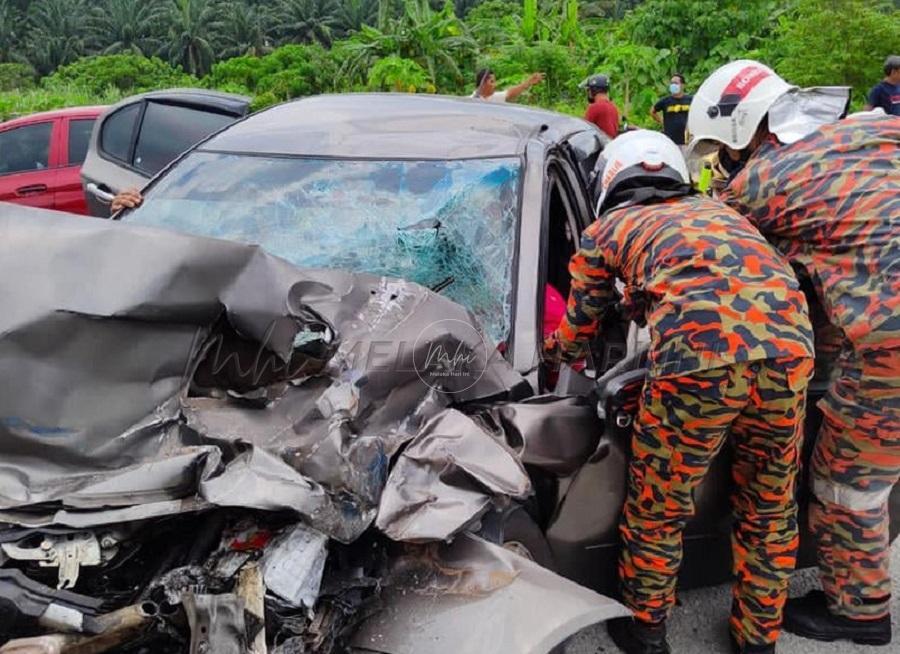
128	199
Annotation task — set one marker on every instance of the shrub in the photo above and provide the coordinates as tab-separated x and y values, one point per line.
290	71
22	103
16	77
398	74
129	73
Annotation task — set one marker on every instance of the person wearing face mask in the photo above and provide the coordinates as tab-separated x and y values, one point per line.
672	111
826	193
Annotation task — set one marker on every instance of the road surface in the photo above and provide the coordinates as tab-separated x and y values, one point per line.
698	625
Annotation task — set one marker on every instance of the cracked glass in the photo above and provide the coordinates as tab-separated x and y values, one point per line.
448	225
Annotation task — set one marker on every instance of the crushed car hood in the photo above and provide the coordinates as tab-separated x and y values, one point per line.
146	373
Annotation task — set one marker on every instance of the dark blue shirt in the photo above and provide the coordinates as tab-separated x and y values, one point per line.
675	115
886	96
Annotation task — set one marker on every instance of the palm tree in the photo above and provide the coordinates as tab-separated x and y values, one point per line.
353	14
192	29
119	26
244	30
56	30
436	40
10	20
306	20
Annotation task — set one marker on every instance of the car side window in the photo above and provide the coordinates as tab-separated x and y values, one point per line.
118	131
168	130
79	138
25	148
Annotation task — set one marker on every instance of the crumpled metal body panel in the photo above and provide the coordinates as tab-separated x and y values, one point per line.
446	478
217	624
533	613
105	324
572	421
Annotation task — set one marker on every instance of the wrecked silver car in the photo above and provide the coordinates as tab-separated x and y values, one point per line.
204	448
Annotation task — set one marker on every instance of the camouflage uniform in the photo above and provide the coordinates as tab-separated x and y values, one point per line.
731	349
831	203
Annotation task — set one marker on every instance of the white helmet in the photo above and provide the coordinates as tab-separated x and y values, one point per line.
639	154
732	101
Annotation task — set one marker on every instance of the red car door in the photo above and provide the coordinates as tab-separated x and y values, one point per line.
28	163
73	145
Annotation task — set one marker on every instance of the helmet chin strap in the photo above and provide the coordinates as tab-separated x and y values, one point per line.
641	195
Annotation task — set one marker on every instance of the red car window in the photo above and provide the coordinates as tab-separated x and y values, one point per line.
25	148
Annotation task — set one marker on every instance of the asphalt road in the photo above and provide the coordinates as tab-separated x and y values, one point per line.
698	625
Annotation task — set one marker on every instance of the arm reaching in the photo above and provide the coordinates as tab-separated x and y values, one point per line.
514	92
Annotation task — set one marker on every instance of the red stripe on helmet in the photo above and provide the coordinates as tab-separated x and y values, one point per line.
745	81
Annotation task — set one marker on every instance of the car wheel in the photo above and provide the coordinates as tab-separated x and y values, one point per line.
522	535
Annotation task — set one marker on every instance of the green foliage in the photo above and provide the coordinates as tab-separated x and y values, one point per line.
394	73
495	23
827	42
275	50
192	27
436	40
55	33
21	103
529	20
10	22
242	30
563	68
692	29
125	26
128	73
306	20
16	77
291	71
635	74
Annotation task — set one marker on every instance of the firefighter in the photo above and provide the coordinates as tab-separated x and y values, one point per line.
731	351
829	200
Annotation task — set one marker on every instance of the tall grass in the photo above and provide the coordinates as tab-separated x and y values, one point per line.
23	102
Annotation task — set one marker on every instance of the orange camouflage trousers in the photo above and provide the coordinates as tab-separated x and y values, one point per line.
855	465
681	425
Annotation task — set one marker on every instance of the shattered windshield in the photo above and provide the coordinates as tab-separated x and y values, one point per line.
447	225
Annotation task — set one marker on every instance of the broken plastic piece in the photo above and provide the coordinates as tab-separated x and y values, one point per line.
22	598
68	552
294	563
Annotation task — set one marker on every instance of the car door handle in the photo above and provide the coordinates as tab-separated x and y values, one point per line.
31	189
101	194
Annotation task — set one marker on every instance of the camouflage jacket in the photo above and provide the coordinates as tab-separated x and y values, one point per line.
831	203
712	290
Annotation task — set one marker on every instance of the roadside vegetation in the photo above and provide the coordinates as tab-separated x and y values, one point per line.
56	53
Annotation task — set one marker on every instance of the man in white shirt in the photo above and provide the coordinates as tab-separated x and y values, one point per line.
486	87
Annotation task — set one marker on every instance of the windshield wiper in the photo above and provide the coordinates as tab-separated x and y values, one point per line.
440	286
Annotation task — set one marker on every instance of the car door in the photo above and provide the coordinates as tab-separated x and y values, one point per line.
138	140
76	135
28	163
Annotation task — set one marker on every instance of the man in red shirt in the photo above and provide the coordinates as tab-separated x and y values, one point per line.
601	111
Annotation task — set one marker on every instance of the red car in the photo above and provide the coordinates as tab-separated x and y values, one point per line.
41	157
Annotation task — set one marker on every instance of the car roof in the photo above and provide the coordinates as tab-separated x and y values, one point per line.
395	126
231	103
55	113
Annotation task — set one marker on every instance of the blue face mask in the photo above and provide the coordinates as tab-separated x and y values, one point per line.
674	88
